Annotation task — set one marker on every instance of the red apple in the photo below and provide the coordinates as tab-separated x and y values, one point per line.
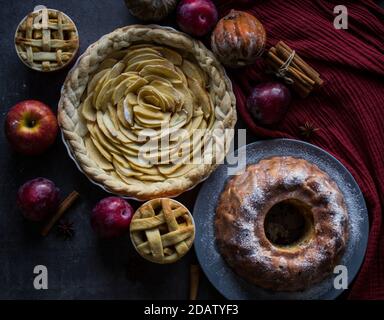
31	127
38	198
269	102
196	17
111	217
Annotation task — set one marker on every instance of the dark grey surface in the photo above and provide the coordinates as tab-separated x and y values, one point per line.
215	267
82	267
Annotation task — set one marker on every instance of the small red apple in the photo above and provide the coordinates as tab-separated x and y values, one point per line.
111	217
268	102
196	17
31	127
38	198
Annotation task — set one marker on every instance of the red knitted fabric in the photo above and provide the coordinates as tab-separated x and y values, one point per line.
349	109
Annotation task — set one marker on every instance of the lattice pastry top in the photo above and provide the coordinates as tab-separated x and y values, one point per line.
46	40
162	230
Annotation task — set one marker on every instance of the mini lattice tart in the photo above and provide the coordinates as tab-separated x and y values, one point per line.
46	39
162	230
145	112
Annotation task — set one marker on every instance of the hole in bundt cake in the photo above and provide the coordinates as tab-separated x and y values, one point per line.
288	223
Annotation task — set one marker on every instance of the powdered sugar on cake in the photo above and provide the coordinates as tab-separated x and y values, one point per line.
262	184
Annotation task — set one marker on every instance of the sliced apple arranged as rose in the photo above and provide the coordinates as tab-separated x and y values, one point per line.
30	127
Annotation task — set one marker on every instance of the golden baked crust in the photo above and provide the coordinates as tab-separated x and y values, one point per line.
162	230
46	40
75	128
240	218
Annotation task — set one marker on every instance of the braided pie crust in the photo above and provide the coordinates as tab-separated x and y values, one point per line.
140	78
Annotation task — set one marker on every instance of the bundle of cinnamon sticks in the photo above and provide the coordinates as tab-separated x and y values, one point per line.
295	71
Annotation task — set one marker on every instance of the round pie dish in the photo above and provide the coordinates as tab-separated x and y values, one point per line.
130	91
46	40
162	230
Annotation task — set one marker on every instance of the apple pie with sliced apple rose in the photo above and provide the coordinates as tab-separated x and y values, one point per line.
145	112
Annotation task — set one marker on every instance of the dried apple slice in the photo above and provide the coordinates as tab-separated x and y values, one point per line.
117	69
107	144
120	90
87	110
140	65
124	150
192	71
128	133
146	122
94	153
101	149
170	55
120	78
188	101
136	147
135	51
196	121
102	128
138	161
136	85
173	98
150	171
95	80
107	64
131	180
153	77
121	114
202	97
181	171
168	169
149	114
112	112
125	171
108	124
120	159
143	57
161	71
113	130
99	85
102	97
181	74
128	111
152	98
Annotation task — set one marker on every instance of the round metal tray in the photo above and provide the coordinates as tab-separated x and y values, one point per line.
214	266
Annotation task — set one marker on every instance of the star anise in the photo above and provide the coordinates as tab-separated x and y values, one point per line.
308	129
65	229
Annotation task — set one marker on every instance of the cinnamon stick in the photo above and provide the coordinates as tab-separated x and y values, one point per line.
302	90
306	81
283	50
64	205
194	278
304	77
298	62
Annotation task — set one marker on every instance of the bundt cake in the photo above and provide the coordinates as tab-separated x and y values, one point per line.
282	224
